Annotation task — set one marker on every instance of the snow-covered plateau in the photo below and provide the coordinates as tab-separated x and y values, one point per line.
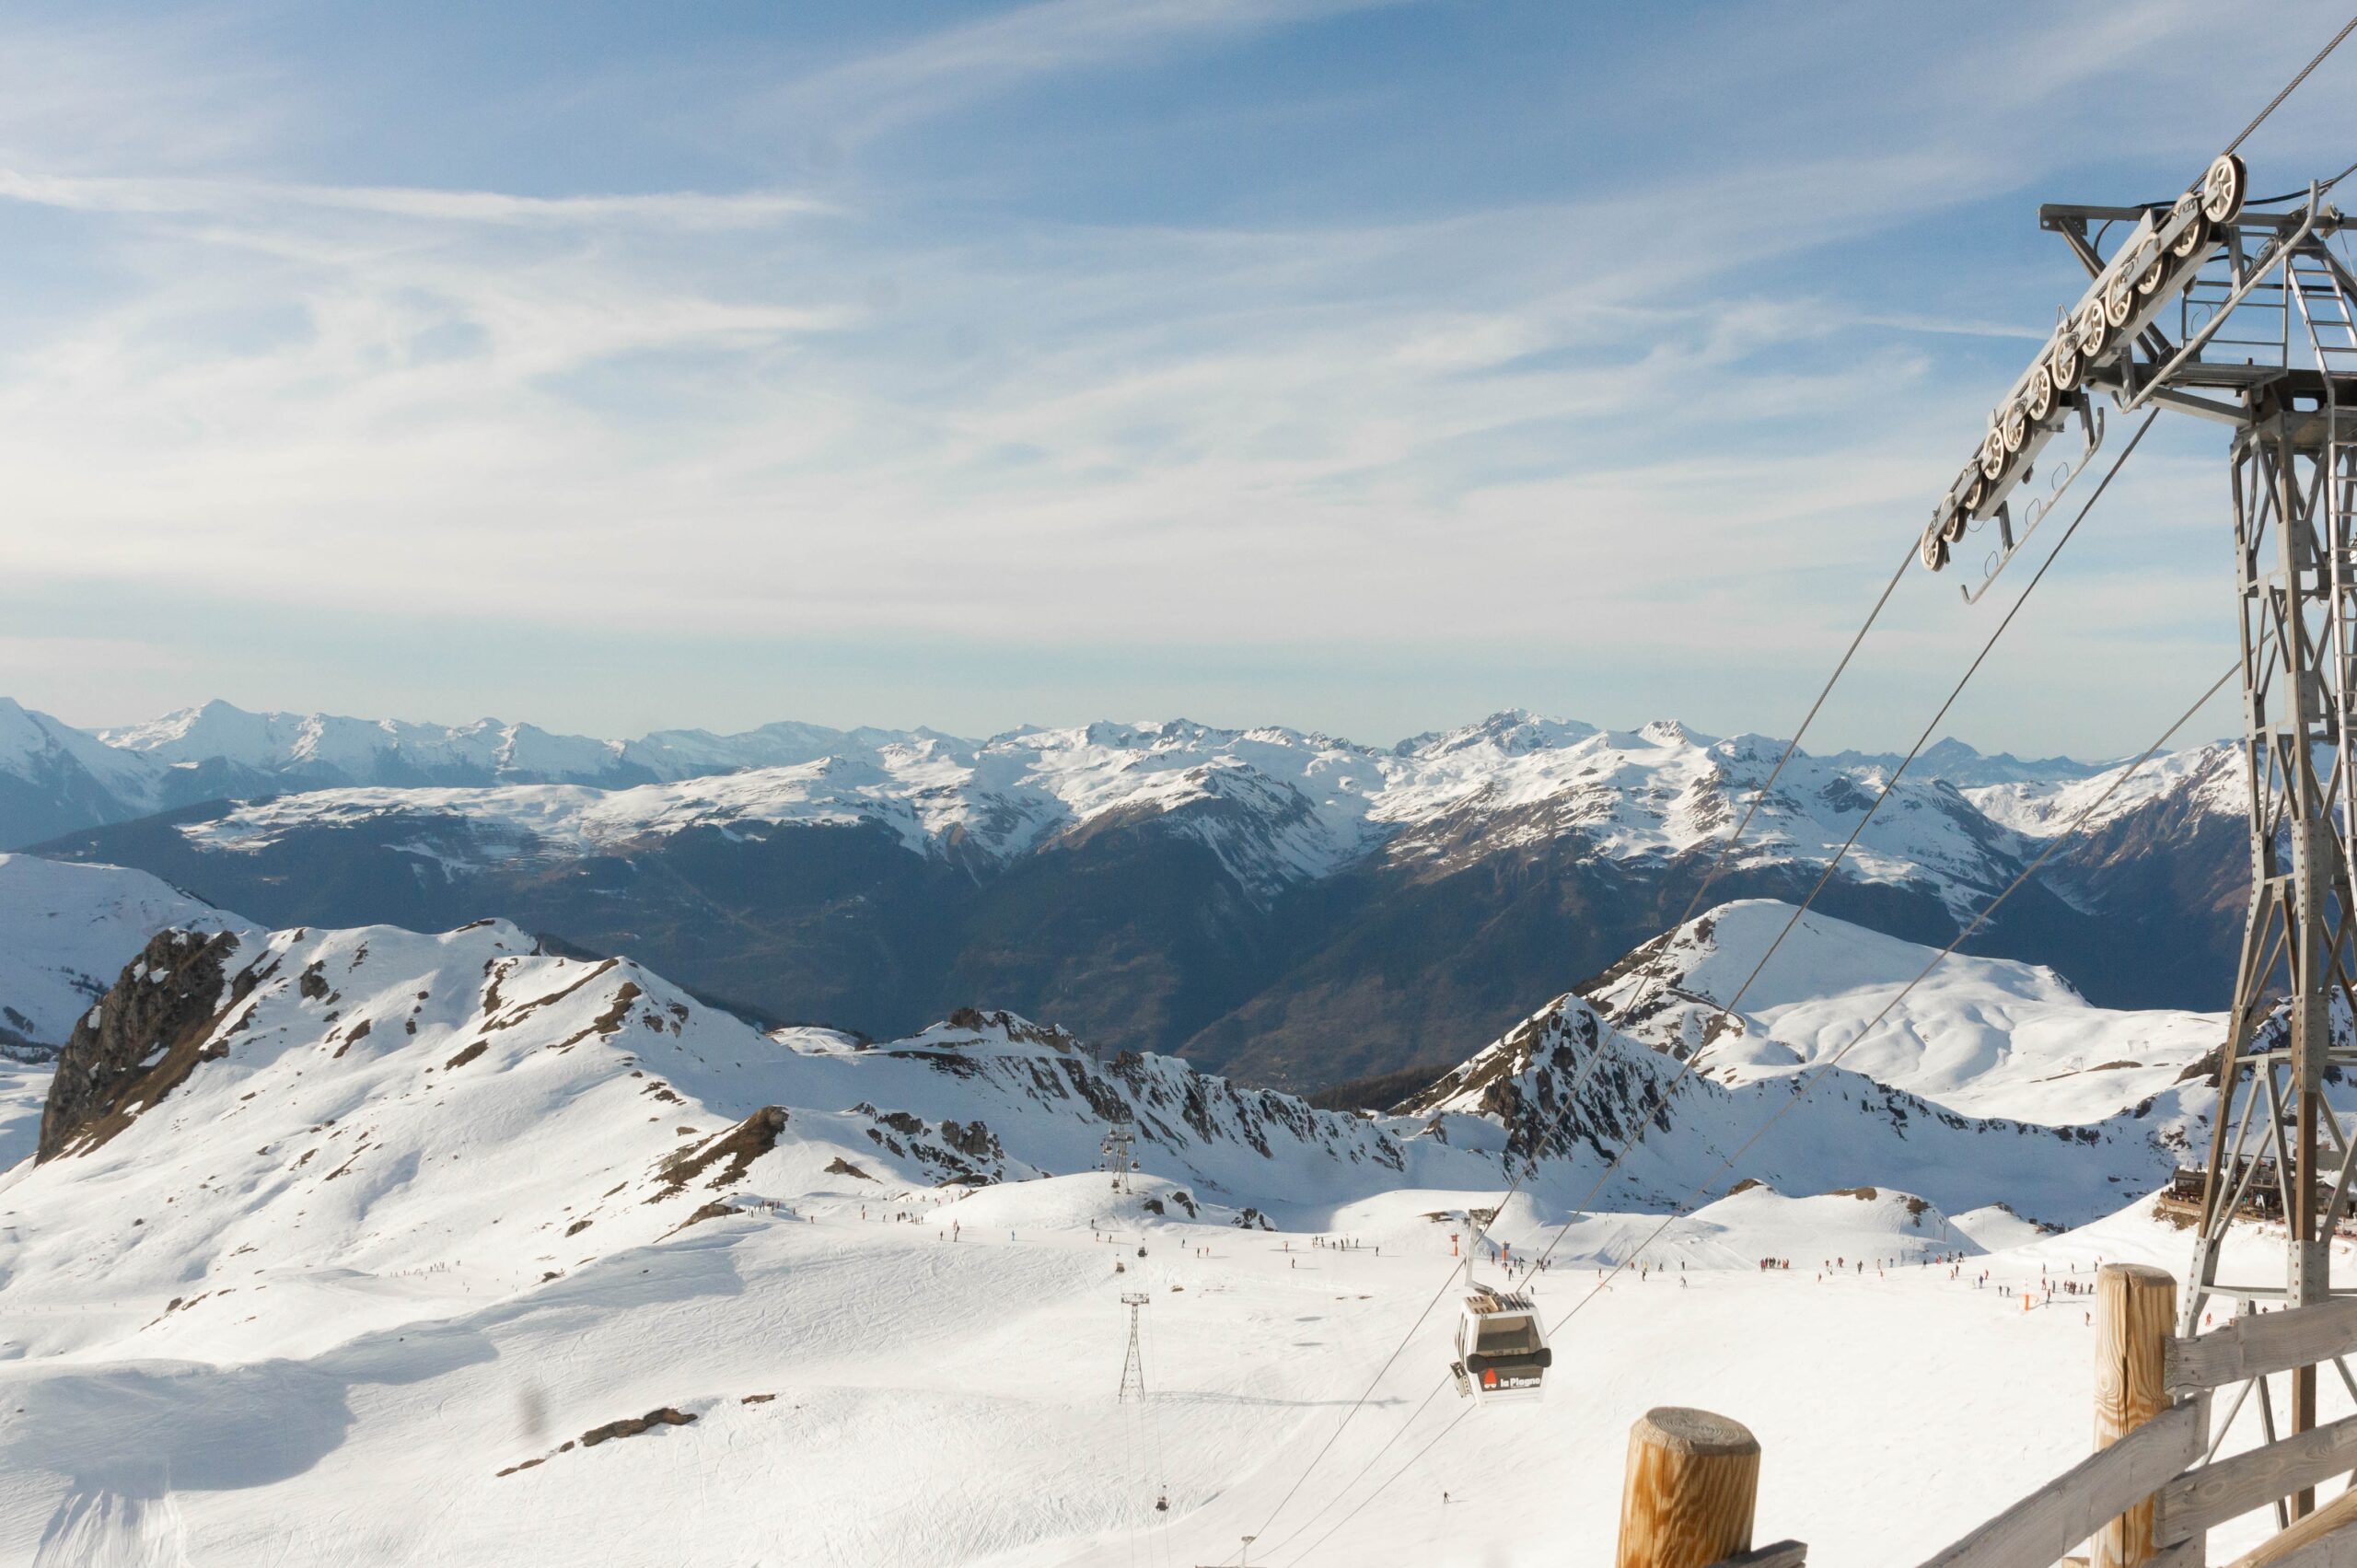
369	1246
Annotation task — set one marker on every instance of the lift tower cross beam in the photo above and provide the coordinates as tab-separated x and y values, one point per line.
2249	320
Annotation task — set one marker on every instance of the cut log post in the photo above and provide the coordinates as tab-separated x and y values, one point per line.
2135	1315
1688	1496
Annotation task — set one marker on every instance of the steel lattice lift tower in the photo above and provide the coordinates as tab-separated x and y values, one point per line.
1134	1364
1115	1151
2247	318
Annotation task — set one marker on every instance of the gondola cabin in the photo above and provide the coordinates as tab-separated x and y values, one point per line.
1501	1355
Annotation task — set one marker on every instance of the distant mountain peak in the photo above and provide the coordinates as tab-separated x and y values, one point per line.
1513	731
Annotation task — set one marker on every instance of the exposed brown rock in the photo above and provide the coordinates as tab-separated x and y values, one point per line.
146	1036
359	1032
633	1426
740	1147
712	1211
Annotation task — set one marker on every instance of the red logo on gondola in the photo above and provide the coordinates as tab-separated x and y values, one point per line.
1489	1377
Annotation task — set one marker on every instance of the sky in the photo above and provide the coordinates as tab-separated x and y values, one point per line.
1365	368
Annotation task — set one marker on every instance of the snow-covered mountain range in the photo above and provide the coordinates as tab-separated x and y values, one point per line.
371	1195
216	1033
1292	907
55	778
1276	807
64	778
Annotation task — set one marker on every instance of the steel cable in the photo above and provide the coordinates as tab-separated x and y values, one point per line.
1726	1008
1719	861
1801	1091
2276	102
1570	1095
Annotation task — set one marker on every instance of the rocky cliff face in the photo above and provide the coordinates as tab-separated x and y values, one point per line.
142	1039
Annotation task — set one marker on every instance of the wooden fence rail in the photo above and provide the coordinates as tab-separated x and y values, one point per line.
2036	1531
2234	1486
2143	1498
2253	1347
2320	1540
2151	1473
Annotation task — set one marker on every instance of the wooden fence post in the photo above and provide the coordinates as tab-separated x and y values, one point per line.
1685	1500
2135	1315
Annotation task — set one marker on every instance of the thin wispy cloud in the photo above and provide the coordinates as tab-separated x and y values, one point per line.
956	66
229	198
1675	404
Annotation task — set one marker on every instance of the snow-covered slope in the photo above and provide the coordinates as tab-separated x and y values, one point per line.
335	1114
441	1250
54	778
65	932
1690	1134
320	1111
2207	779
1986	1036
850	1390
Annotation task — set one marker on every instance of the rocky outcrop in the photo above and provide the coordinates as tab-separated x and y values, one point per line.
1560	1082
143	1039
739	1146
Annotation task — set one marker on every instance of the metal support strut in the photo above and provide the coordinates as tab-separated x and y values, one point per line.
2278	1151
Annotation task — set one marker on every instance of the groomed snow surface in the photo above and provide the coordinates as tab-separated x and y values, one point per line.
428	1209
938	1402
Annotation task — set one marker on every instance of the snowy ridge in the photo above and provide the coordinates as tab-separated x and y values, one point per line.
1985	1036
318	1112
1689	1130
34	744
2208	778
326	746
332	749
1662	791
1960	765
54	778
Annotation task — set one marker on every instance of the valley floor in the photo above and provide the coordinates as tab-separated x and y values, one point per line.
867	1390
